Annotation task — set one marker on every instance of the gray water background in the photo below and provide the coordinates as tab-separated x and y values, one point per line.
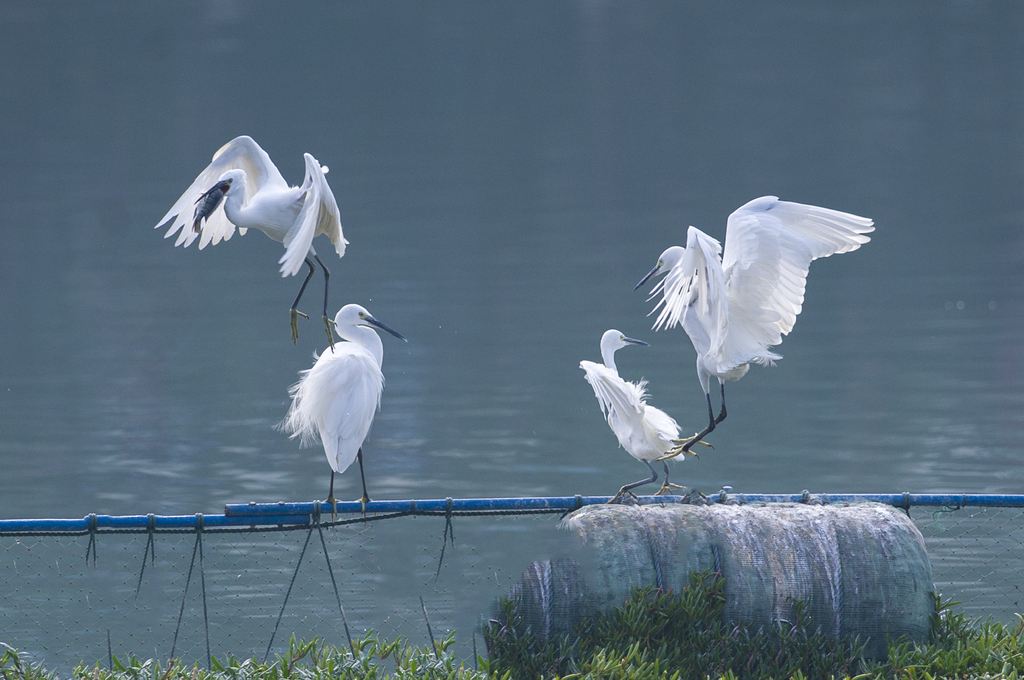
506	172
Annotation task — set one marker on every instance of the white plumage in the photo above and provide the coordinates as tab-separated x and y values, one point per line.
335	401
645	432
737	307
256	196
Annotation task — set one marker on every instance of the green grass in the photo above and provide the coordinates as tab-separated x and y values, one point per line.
374	658
653	636
672	636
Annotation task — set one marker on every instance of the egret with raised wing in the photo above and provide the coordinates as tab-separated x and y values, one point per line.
254	195
645	432
735	306
335	400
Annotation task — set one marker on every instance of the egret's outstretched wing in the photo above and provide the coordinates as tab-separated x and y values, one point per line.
693	291
620	400
626	409
240	153
319	215
335	402
769	247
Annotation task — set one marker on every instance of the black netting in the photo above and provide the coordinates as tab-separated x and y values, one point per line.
58	608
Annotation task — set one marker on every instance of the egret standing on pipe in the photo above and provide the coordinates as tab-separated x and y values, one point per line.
336	399
645	432
736	308
255	196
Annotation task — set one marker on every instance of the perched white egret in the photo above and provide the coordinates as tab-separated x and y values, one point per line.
645	432
335	400
735	308
255	196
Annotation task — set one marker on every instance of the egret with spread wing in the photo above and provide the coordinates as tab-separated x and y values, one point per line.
254	195
645	432
335	400
735	306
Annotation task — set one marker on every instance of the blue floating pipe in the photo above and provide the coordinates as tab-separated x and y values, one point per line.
429	505
100	522
300	513
563	503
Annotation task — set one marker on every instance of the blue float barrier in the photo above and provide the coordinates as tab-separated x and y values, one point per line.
563	503
144	522
297	514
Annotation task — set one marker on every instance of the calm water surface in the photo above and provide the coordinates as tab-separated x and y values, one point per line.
505	174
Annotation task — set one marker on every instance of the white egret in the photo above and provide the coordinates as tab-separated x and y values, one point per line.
645	432
736	308
335	400
256	196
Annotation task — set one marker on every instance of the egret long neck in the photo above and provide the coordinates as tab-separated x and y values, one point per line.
234	206
608	355
367	339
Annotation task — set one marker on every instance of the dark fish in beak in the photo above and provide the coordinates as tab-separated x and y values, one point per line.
208	202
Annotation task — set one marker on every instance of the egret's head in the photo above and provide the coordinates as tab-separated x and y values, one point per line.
668	259
613	340
230	179
353	316
222	187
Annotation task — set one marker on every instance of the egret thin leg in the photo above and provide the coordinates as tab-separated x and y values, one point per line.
683	447
331	499
366	497
667	486
723	413
327	319
707	430
295	313
627	488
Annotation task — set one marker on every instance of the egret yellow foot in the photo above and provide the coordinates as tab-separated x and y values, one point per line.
295	323
667	487
328	322
683	446
362	504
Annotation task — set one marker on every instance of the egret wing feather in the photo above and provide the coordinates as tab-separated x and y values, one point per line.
644	431
769	247
240	153
319	215
618	398
662	426
694	292
335	402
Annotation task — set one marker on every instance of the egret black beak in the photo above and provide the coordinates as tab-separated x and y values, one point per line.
634	341
373	322
647	276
